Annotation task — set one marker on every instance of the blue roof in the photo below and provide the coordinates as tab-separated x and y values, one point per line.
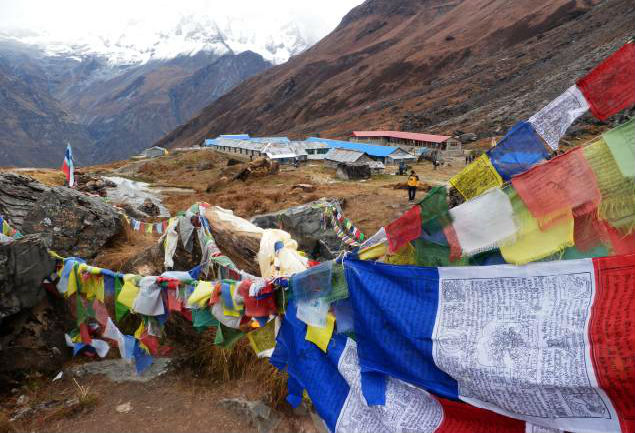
212	141
235	136
269	139
369	149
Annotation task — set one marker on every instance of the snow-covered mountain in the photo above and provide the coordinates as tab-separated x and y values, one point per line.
139	42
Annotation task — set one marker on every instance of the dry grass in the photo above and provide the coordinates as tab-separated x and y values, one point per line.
6	426
83	401
197	353
125	246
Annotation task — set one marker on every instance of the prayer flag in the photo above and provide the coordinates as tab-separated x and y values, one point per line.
552	121
484	221
335	383
518	150
404	229
548	342
610	86
476	178
68	167
621	142
564	182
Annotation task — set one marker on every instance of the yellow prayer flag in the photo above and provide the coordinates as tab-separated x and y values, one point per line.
149	227
476	178
373	252
72	282
321	336
201	294
129	291
531	242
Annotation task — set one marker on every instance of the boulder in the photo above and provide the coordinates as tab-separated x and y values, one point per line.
32	322
236	237
150	208
76	224
304	224
18	194
467	138
24	263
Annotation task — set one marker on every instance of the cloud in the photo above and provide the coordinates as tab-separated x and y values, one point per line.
74	19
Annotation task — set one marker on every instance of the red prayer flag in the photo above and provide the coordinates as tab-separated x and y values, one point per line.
611	334
565	182
453	242
610	86
621	243
404	229
84	333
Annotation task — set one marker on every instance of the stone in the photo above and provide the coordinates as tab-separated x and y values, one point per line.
259	414
77	225
124	407
22	400
18	194
119	370
24	263
304	187
21	413
150	208
304	224
467	138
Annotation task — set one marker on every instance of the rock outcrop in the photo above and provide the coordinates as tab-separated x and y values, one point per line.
24	263
304	224
18	194
77	225
32	334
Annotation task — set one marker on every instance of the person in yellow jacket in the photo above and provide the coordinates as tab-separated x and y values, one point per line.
413	183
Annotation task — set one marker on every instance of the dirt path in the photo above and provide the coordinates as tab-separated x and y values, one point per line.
174	402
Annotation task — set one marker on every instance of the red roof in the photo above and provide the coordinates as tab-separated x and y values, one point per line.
405	135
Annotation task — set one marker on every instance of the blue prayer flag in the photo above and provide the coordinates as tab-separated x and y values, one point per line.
519	150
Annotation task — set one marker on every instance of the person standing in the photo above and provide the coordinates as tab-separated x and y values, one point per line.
413	183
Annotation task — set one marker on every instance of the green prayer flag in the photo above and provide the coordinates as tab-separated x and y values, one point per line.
202	319
621	142
226	337
339	288
120	310
433	255
434	209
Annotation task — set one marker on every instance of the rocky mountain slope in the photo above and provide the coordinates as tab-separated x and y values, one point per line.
34	126
433	65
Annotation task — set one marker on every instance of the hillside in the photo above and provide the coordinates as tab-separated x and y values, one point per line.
34	126
476	65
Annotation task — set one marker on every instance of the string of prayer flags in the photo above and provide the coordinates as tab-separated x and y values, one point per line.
621	143
553	120
531	243
520	149
610	86
476	178
145	227
404	229
484	221
565	182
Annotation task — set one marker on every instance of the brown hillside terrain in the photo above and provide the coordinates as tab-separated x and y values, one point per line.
433	65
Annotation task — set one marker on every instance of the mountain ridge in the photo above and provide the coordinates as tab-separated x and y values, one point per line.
435	66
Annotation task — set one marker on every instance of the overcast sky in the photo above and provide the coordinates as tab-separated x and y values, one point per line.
67	19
